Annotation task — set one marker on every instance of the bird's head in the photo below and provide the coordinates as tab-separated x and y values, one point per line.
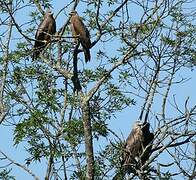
49	12
137	124
73	12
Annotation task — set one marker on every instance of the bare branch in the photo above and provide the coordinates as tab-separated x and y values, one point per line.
19	165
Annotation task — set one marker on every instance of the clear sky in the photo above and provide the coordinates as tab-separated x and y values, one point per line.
121	124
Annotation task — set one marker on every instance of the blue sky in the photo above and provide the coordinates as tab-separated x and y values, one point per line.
121	124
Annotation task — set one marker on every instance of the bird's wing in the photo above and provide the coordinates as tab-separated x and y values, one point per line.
148	136
41	29
46	27
134	143
51	25
133	138
78	25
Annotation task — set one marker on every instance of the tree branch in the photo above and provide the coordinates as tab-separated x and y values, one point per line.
88	139
19	165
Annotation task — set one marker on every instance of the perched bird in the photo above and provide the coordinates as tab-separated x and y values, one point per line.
79	30
44	32
137	149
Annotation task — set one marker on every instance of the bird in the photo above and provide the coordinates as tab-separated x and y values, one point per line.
79	30
43	35
137	148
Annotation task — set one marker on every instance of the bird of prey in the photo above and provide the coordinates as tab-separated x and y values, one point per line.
79	30
138	147
44	32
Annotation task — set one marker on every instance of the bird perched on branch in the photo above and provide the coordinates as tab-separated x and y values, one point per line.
137	149
44	33
79	30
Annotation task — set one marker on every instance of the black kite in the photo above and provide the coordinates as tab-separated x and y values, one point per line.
44	32
79	30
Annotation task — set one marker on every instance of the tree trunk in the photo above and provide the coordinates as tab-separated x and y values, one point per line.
88	140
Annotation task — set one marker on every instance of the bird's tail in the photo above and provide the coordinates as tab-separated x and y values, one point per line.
87	54
35	54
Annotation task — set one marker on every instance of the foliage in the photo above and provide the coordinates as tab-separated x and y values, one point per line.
139	51
4	175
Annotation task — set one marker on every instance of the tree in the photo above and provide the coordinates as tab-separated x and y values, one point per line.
59	106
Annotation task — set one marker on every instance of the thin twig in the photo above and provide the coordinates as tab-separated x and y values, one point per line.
19	165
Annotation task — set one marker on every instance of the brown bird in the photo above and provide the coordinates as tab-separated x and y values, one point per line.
79	30
137	149
44	32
